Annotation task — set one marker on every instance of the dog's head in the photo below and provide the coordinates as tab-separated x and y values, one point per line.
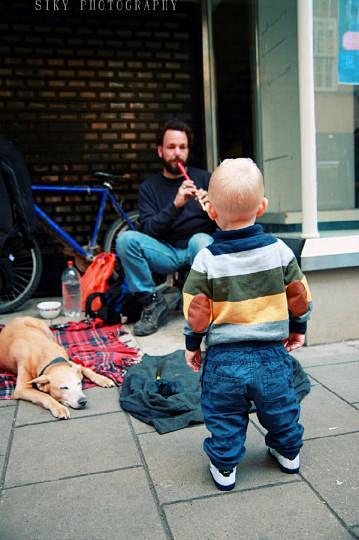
64	383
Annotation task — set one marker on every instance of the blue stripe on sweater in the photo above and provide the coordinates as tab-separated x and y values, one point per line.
240	240
231	333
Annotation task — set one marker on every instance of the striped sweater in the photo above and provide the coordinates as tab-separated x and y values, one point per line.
245	286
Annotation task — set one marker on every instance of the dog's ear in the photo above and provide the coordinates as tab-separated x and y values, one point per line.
76	367
40	381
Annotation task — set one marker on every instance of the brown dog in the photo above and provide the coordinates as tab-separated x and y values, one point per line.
28	349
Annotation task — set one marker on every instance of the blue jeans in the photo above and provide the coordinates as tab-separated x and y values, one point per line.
141	256
235	374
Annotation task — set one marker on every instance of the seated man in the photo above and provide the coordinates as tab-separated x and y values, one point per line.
174	227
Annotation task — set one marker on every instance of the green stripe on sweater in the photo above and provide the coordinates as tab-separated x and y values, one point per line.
292	272
236	288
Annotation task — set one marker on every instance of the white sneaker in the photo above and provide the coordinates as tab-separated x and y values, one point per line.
289	466
224	480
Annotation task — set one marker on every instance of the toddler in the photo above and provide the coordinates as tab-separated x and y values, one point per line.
247	295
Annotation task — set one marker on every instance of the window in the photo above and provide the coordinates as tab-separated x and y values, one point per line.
325	53
337	115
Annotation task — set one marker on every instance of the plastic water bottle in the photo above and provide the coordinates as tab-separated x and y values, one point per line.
71	292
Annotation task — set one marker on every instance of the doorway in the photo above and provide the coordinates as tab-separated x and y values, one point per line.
234	58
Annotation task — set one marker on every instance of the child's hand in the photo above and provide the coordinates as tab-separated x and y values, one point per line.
294	341
193	359
202	198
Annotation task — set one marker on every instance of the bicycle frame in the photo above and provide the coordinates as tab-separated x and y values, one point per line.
106	194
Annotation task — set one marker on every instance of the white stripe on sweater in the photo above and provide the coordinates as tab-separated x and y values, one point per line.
242	262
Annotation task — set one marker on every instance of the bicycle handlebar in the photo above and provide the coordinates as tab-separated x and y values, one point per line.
107	175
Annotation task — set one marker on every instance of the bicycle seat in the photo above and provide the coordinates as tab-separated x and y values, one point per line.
103	175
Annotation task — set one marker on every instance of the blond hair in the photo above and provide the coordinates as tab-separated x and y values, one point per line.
236	187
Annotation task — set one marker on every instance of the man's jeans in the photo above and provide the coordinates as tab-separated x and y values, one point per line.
235	374
141	256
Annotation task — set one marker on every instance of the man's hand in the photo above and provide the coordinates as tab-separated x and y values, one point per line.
193	359
294	341
186	191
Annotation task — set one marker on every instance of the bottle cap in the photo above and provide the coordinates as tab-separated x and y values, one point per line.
70	263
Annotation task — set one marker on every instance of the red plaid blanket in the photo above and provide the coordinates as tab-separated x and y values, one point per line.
105	349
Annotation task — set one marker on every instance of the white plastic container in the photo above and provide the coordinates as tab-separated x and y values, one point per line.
71	292
49	310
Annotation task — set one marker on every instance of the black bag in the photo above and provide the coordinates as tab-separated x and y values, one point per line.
6	212
116	303
17	203
6	275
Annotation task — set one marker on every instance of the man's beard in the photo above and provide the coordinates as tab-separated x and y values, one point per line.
172	167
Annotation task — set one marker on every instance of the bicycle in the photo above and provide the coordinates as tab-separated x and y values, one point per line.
24	254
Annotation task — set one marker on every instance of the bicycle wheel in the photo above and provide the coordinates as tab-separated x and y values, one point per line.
26	267
118	227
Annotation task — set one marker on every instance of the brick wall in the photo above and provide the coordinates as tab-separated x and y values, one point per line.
81	91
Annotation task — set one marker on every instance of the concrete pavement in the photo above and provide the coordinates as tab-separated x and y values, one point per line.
104	475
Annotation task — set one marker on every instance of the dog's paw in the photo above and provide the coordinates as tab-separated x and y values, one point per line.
60	411
103	381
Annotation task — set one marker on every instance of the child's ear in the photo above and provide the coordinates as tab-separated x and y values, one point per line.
262	207
212	214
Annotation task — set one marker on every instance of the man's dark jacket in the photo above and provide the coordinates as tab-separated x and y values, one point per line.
162	220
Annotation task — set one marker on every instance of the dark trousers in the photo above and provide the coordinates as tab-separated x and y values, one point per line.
235	374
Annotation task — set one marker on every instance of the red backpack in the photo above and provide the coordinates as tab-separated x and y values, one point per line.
95	279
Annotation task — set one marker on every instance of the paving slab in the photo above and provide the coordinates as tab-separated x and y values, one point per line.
179	467
55	450
355	531
167	339
331	467
100	400
286	511
343	379
140	427
335	353
323	414
6	422
117	505
29	309
8	402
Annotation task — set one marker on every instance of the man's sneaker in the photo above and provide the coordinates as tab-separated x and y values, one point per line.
155	313
289	466
224	480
